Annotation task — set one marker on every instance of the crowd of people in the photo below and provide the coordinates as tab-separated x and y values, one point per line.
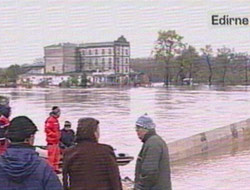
87	164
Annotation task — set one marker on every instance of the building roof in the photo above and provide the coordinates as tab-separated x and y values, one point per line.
97	44
120	41
38	64
67	44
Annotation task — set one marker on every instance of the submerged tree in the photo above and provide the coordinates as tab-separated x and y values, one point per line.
84	80
225	57
207	52
186	63
168	45
243	60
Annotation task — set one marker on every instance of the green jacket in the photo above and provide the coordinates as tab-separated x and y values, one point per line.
152	165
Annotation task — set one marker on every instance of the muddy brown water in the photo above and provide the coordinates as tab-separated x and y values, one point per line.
178	112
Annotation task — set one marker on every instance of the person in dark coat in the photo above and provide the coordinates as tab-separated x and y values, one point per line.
5	111
90	165
67	136
152	165
20	166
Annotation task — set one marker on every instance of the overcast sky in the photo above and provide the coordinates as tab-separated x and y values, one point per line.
26	26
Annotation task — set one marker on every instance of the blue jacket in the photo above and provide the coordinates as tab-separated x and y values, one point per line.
22	169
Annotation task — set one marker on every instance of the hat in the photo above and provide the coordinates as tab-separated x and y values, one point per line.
145	122
5	111
4	101
67	124
20	128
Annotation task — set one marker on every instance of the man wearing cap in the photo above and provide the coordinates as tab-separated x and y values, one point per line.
4	121
53	135
20	165
152	165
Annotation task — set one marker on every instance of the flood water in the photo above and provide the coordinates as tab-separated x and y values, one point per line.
177	111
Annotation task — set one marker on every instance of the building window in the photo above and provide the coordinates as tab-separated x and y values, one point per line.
126	51
103	51
90	63
126	60
118	60
83	52
127	70
118	50
53	68
110	51
103	60
96	62
90	52
96	51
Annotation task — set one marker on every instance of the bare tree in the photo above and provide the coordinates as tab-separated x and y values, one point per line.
207	52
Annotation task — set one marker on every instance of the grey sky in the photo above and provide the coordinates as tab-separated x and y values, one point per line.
26	26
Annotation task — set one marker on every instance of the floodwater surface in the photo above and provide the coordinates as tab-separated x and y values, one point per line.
178	112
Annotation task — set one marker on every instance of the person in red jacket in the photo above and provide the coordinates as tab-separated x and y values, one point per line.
4	122
52	130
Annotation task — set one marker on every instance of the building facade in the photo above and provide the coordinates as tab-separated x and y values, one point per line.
61	58
110	59
105	56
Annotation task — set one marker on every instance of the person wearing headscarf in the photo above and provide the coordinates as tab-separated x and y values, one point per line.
90	165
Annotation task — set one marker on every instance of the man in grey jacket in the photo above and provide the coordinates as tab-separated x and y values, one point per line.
152	165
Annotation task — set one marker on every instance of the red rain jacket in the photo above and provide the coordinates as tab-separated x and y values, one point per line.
52	130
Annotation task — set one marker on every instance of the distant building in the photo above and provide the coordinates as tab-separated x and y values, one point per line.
106	56
61	58
40	79
37	67
105	62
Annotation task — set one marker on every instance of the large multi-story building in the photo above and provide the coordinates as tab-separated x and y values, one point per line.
61	58
106	56
103	56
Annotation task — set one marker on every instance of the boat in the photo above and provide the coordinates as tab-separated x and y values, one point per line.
122	159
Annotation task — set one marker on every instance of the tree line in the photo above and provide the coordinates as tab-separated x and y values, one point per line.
174	61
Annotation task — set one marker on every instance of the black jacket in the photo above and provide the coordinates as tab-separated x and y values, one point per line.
67	137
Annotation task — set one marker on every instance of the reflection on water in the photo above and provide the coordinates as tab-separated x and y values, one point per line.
178	112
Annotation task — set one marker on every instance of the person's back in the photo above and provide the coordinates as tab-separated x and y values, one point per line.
20	166
90	165
22	169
